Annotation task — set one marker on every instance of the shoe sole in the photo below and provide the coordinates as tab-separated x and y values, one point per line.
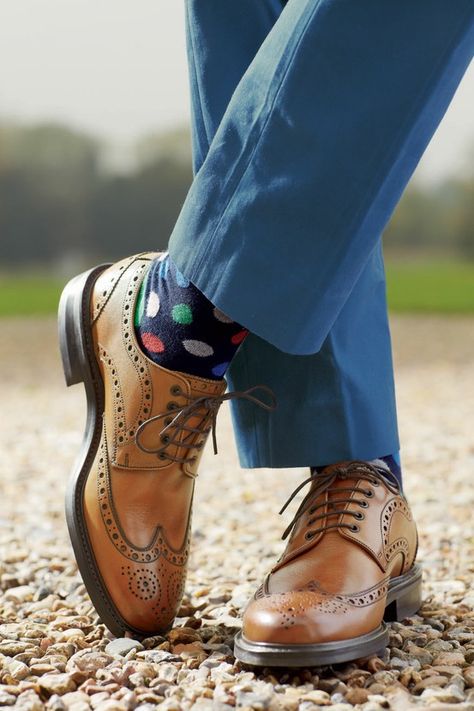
403	600
80	366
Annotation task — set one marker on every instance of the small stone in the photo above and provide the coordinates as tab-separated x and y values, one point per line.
385	677
17	670
429	682
321	698
449	695
192	649
400	664
22	593
183	635
112	705
167	672
89	661
409	677
395	639
219	599
356	695
76	700
461	634
56	684
122	646
423	656
12	647
148	696
6	699
72	633
445	670
40	669
157	655
449	658
55	703
29	701
98	698
439	645
468	675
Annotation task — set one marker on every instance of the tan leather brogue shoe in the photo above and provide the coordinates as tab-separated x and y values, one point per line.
129	501
349	564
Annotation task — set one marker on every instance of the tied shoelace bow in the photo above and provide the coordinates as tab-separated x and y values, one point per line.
324	484
206	406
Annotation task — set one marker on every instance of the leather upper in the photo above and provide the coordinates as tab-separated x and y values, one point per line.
332	585
138	495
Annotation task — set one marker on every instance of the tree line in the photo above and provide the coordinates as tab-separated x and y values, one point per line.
60	201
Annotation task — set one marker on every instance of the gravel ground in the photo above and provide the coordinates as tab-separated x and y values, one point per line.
55	655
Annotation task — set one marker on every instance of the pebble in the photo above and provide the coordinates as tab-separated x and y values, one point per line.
7	699
468	675
122	646
321	698
22	593
448	695
56	683
449	658
356	695
89	661
167	672
16	670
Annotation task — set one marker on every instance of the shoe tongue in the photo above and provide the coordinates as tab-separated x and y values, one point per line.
298	544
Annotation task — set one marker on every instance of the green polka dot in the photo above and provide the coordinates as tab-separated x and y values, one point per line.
182	313
140	305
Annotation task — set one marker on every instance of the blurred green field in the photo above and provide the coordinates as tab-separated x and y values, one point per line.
24	295
434	287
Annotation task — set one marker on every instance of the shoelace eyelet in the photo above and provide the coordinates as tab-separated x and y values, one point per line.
161	455
363	504
369	493
309	535
168	420
375	482
165	439
359	515
354	528
172	405
175	390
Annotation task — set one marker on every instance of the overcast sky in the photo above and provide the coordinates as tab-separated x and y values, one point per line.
118	68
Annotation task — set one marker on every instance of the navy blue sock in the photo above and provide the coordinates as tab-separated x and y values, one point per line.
391	461
179	328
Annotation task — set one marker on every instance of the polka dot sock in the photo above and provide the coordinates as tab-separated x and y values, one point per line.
179	328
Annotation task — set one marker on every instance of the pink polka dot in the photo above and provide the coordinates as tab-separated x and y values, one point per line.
239	337
152	343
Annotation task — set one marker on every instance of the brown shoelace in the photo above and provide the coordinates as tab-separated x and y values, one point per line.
206	406
323	483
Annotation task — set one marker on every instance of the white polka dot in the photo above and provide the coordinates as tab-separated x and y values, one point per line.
153	305
222	317
198	348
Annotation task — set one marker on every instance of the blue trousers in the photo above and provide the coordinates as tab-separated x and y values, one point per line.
308	119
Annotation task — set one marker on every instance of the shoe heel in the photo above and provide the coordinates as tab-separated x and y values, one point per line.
72	313
406	603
